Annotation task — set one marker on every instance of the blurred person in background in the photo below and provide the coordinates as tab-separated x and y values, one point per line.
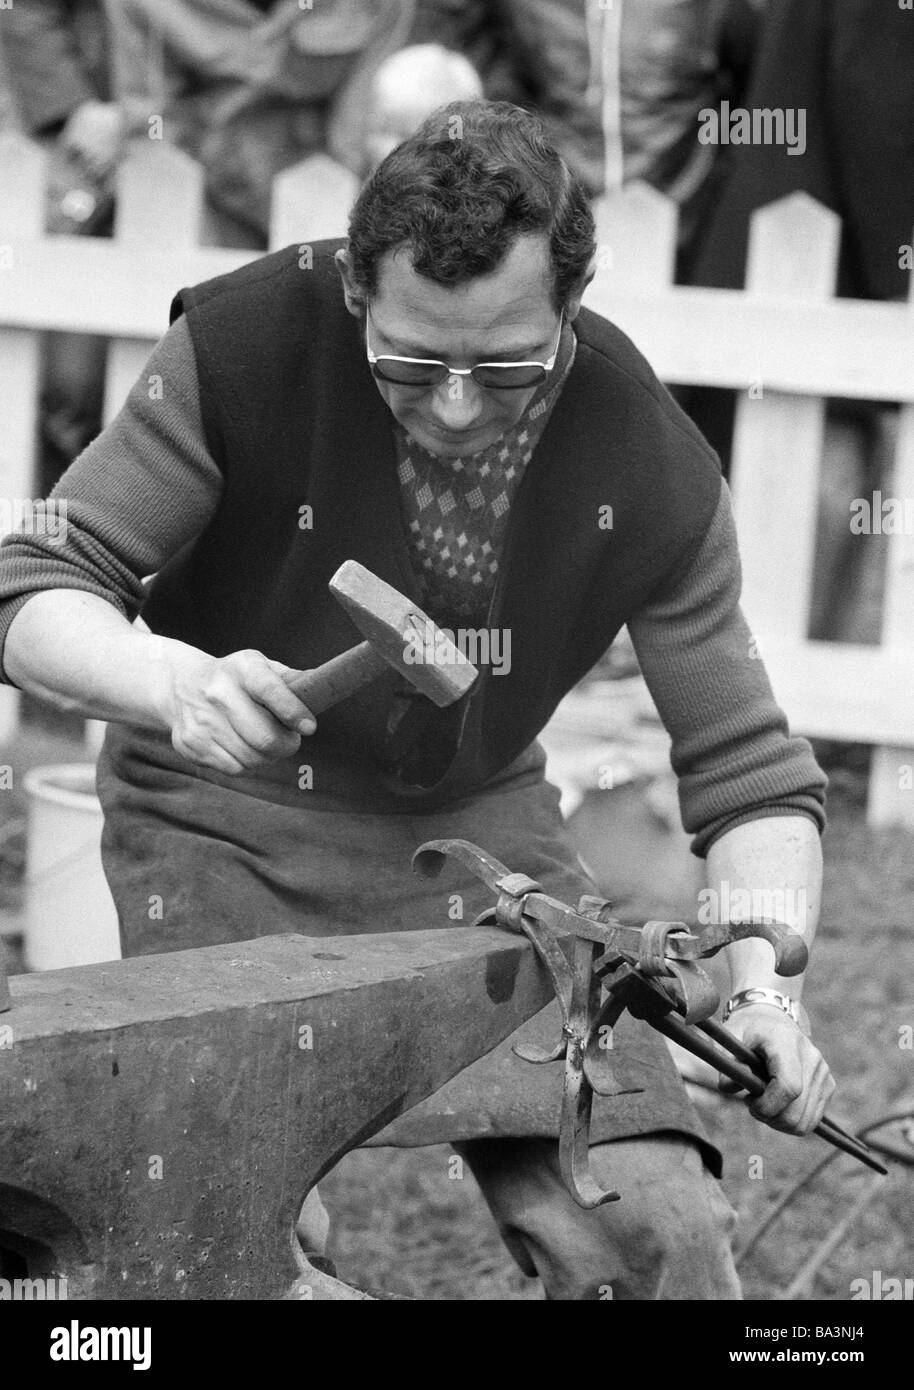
849	65
58	72
406	88
57	62
248	88
678	57
539	54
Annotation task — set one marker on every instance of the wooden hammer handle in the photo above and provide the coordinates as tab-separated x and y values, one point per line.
338	678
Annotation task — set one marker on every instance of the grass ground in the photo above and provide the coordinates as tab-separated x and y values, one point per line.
405	1224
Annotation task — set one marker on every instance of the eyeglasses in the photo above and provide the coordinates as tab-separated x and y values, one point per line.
428	371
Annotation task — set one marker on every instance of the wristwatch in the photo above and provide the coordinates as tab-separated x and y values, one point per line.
791	1007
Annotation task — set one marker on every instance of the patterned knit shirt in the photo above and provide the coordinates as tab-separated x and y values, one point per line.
456	510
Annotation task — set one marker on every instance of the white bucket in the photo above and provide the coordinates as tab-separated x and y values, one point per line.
70	917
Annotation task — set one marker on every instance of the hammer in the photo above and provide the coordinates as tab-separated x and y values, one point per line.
397	634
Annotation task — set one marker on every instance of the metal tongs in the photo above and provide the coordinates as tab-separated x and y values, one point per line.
602	968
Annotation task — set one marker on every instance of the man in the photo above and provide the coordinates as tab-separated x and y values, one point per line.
282	427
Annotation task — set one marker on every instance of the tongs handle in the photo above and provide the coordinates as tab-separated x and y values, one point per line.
751	1077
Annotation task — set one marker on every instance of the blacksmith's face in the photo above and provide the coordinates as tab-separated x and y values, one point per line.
504	316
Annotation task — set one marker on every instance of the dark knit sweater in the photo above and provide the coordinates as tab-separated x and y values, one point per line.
240	582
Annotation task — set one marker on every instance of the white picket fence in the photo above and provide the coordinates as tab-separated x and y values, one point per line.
784	334
785	344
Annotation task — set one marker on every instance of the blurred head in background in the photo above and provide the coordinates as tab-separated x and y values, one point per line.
409	86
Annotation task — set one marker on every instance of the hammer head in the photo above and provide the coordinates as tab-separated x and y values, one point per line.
402	634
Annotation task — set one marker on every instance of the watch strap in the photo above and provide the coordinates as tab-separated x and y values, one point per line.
791	1007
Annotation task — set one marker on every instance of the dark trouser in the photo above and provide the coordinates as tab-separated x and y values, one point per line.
668	1238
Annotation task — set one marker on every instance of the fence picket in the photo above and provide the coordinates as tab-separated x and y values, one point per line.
311	201
891	790
793	250
170	223
174	216
636	239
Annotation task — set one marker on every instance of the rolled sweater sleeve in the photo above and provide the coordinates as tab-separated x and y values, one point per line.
732	752
144	488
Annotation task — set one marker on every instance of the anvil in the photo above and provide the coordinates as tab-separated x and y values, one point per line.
162	1118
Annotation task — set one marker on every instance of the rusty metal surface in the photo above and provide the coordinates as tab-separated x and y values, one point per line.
162	1118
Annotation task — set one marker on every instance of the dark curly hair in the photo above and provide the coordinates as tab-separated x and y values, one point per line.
474	176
